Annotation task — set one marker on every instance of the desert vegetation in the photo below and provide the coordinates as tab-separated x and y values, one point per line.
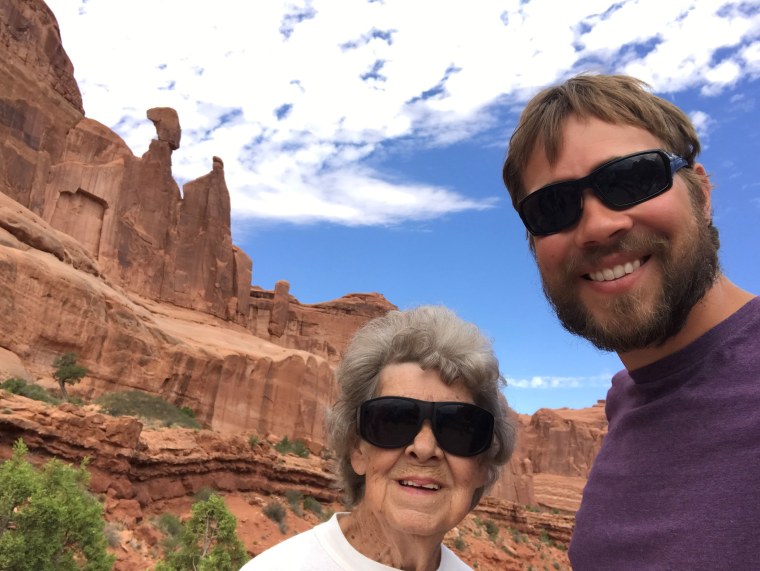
48	519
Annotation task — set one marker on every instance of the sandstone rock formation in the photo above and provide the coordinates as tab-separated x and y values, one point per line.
558	447
564	441
82	179
323	329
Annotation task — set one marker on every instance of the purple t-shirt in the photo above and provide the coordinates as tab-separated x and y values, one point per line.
676	484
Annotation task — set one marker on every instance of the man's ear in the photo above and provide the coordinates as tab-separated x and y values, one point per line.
706	188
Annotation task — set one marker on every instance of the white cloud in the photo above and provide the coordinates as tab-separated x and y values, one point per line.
555	382
294	96
703	123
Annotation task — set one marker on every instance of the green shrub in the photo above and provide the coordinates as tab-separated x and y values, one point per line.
274	511
21	387
491	529
544	537
459	543
67	372
297	447
112	534
203	494
48	519
295	498
253	441
147	406
208	541
187	411
311	504
171	526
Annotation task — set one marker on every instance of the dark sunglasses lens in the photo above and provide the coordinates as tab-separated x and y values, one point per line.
633	179
389	423
463	429
551	209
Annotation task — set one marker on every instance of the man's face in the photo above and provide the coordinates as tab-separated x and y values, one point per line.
623	279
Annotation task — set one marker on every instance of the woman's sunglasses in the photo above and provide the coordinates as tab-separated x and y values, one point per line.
619	184
460	428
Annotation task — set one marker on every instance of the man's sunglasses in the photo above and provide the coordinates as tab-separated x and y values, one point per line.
460	428
619	184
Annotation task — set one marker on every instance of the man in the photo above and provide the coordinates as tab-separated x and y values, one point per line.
603	175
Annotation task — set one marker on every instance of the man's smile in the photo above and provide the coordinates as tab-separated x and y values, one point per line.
615	272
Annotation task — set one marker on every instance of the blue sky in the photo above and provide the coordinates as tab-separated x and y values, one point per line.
363	141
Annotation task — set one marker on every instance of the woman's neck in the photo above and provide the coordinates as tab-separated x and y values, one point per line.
367	534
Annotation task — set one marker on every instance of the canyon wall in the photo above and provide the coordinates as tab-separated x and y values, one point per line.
81	178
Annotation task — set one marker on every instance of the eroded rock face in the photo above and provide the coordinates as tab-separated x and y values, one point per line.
322	328
39	99
564	441
232	379
558	447
129	463
82	179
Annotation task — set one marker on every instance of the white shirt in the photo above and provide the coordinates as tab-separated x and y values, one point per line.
325	548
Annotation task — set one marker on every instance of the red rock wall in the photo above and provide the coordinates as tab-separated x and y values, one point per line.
80	177
564	442
323	329
229	377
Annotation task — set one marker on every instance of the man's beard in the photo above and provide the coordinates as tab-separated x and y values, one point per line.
627	321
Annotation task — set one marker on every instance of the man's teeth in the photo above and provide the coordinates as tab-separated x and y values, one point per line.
425	486
608	274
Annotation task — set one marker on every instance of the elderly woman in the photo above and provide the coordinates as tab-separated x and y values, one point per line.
420	432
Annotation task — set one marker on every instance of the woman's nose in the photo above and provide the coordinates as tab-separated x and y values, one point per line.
424	446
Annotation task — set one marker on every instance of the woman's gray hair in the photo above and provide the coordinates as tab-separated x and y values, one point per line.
434	338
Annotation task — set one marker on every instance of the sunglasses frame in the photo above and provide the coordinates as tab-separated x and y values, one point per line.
577	186
427	411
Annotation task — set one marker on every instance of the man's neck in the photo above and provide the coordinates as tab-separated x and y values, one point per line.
722	300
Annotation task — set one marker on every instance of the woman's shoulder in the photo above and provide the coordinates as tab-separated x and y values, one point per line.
298	552
450	562
307	551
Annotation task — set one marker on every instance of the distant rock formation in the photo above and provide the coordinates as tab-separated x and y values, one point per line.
558	447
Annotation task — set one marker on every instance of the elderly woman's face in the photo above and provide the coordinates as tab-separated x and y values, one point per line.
418	489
